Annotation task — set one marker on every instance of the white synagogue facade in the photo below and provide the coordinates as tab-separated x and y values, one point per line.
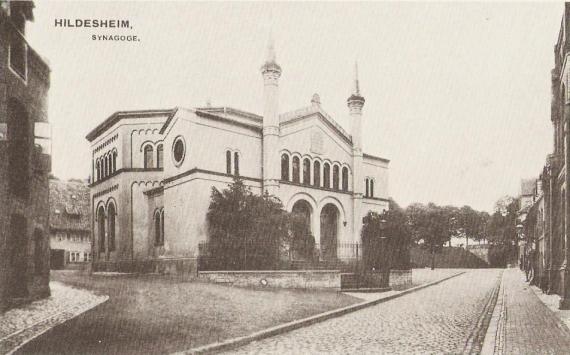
153	172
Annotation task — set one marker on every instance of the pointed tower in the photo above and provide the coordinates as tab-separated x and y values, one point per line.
355	103
271	72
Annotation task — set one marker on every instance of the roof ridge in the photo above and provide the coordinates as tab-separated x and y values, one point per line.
311	109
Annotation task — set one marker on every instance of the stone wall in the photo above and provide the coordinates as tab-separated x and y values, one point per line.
300	279
186	267
399	278
447	257
480	251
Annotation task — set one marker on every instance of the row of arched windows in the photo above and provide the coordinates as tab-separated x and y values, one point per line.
314	173
369	182
106	227
159	227
229	162
106	165
149	156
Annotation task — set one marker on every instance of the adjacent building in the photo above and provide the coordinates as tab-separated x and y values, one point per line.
533	246
550	222
25	163
69	224
153	172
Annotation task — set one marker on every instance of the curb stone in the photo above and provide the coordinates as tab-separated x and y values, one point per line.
296	324
494	337
478	337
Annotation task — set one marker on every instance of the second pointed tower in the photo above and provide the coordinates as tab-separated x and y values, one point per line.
271	72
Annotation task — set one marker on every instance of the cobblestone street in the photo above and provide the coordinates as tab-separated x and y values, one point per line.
450	317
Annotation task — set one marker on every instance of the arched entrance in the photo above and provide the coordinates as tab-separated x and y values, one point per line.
101	229
303	240
329	232
303	208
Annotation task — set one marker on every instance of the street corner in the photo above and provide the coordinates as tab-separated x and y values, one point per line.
21	325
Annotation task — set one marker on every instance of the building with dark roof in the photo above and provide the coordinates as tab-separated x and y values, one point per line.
69	223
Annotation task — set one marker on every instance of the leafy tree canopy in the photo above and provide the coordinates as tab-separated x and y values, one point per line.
246	230
249	231
503	221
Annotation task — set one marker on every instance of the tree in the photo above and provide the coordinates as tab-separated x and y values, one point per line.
431	226
471	224
399	236
246	230
501	229
252	232
386	238
503	221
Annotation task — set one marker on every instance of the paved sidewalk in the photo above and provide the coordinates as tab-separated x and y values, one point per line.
20	325
522	323
552	301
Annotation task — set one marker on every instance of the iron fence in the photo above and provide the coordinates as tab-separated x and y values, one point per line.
240	255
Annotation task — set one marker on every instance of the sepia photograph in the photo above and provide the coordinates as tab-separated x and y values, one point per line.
284	177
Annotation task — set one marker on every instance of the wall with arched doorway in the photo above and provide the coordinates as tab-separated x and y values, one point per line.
318	200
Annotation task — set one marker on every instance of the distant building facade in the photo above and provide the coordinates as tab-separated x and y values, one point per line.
529	195
153	172
533	246
69	223
25	163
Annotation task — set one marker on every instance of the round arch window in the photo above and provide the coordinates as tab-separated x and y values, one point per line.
178	150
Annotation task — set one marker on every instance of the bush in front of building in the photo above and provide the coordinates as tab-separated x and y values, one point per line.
252	232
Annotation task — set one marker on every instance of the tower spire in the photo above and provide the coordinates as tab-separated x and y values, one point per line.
271	57
271	71
356	83
270	65
356	99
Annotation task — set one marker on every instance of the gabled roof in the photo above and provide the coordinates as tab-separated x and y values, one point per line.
119	115
230	112
223	113
374	157
255	121
69	205
296	115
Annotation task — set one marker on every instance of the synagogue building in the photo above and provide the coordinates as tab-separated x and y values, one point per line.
153	172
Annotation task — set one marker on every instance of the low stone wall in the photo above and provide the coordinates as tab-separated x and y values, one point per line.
301	279
480	251
373	279
400	278
168	266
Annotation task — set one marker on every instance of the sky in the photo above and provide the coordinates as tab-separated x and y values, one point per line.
457	94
